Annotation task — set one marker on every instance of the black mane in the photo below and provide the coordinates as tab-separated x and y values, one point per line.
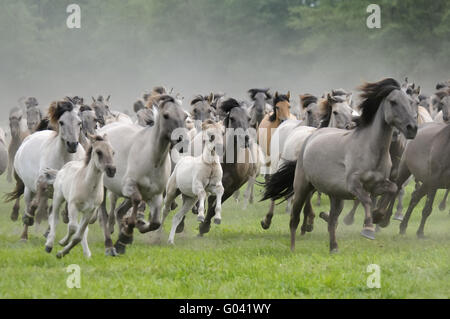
228	105
277	99
307	99
372	95
253	92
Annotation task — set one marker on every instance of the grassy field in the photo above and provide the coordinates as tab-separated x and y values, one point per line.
235	260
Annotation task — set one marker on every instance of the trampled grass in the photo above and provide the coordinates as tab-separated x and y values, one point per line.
237	259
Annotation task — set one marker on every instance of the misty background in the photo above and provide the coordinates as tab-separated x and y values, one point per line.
197	46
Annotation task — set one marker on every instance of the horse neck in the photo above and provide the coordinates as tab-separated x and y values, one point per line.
379	133
92	175
209	158
161	144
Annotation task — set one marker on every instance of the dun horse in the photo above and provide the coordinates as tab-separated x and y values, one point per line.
348	164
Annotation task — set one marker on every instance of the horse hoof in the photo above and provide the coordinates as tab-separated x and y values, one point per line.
324	216
59	255
173	206
398	217
15	216
309	228
442	207
194	210
23	240
201	219
217	221
377	229
46	234
62	243
368	233
384	223
402	231
420	235
120	248
48	249
334	251
180	227
264	225
204	227
29	221
142	226
111	252
154	226
349	220
65	217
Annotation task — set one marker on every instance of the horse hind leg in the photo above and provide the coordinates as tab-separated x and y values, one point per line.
416	196
336	208
187	205
308	218
15	211
300	197
426	212
443	204
267	221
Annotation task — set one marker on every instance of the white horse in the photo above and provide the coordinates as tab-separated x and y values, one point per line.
45	150
143	168
194	177
80	184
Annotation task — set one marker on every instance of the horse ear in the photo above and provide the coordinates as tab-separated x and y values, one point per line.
107	99
289	95
330	99
417	91
93	99
276	94
349	98
211	98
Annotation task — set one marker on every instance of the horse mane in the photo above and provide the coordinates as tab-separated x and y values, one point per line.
339	92
43	125
277	99
138	105
87	159
163	99
85	107
441	85
372	95
57	109
442	93
307	99
253	92
199	98
159	90
228	105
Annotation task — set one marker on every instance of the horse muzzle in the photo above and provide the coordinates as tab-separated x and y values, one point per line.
72	147
110	171
411	131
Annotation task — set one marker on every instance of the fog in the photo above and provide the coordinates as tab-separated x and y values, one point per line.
56	61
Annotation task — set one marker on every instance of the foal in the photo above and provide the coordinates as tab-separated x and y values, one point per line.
80	184
193	177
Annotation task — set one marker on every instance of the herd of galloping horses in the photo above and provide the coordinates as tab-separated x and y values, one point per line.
75	155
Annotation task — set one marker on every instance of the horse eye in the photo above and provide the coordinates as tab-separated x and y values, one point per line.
99	153
61	123
335	113
211	138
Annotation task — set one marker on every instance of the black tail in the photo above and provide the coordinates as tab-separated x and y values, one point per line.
17	192
280	184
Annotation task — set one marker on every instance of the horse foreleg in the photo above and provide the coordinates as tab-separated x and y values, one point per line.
112	212
416	196
206	225
104	221
15	211
72	226
53	221
248	195
79	232
336	208
349	219
131	191
218	190
28	195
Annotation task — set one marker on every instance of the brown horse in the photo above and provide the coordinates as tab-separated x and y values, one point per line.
281	112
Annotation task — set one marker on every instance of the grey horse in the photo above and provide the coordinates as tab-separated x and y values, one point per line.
427	158
259	97
348	164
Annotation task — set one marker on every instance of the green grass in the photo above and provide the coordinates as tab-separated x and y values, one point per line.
235	260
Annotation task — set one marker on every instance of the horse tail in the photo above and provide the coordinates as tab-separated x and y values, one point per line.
281	183
18	190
